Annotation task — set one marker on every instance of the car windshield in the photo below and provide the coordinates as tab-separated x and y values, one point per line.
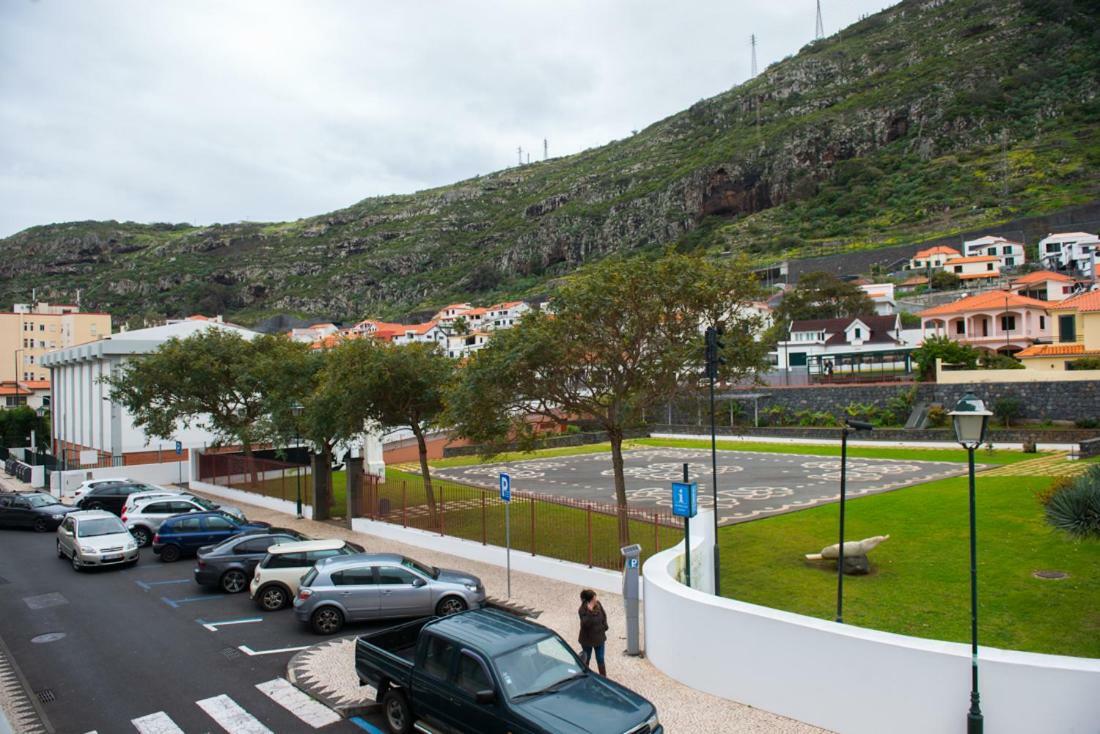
429	571
41	500
100	526
538	668
204	503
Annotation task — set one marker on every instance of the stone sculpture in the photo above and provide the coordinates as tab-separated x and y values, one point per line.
855	553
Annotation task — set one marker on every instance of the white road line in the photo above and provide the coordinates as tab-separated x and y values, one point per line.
158	723
231	716
312	712
250	652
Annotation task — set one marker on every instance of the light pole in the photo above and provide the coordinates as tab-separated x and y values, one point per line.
849	426
971	420
714	359
296	410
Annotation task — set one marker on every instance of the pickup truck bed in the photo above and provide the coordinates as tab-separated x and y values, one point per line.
388	655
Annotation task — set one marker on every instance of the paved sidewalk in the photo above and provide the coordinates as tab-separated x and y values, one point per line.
1056	465
330	673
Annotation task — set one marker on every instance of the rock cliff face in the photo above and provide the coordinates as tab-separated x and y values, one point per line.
932	116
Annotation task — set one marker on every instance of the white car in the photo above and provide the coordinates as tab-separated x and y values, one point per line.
275	583
93	483
91	538
137	498
144	519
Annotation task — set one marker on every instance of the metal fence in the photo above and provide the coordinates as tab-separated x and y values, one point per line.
270	477
571	530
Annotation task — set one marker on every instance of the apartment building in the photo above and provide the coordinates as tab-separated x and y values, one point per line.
30	330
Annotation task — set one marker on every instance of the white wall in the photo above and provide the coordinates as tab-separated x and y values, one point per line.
850	679
251	498
62	483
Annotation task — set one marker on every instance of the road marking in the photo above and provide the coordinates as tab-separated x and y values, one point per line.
149	584
231	717
312	712
175	603
158	723
249	651
213	626
365	726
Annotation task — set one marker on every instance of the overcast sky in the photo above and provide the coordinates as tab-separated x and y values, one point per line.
201	112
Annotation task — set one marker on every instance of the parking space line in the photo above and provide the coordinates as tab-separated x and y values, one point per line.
365	726
213	626
250	652
158	723
150	584
231	717
310	711
175	603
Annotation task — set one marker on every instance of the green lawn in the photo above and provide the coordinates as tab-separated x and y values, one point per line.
920	580
594	448
858	452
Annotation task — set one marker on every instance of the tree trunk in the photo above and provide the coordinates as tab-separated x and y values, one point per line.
616	438
429	491
322	483
250	461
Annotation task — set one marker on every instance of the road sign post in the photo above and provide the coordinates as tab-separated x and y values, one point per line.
506	497
179	461
685	504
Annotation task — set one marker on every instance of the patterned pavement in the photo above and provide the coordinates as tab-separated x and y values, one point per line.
1050	465
751	484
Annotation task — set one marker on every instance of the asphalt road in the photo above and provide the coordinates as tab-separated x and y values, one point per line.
751	484
134	645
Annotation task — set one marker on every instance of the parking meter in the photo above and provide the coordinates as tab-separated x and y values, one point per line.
631	592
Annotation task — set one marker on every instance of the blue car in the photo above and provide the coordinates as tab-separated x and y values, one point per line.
187	533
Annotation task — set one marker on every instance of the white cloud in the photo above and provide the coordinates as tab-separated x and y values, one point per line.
204	111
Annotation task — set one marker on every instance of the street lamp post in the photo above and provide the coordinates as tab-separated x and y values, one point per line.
971	420
296	410
849	426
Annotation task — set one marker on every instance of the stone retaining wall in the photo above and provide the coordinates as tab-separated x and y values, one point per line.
1046	435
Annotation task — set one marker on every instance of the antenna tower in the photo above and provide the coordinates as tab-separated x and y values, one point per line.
819	28
545	149
752	42
519	154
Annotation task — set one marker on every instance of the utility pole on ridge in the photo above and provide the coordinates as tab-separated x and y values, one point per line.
819	28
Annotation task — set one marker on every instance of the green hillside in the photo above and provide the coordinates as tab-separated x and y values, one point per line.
928	118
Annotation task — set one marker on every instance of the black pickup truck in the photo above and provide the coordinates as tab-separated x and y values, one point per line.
488	672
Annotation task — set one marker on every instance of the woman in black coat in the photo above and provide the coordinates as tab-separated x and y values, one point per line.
593	629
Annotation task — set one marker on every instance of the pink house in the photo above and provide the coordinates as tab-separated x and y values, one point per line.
999	321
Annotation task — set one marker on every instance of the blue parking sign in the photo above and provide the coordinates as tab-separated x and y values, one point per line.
179	447
505	487
685	499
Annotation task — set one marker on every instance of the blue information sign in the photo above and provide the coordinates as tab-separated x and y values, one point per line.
505	487
685	499
179	447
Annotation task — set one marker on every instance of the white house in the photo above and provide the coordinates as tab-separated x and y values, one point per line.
932	258
882	294
463	345
311	334
504	315
978	268
430	332
1072	251
1044	285
1011	254
86	422
828	346
448	314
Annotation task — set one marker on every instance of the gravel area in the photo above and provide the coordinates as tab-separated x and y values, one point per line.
681	709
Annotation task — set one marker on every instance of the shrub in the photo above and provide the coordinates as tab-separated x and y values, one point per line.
1076	509
1085	363
937	417
1046	495
1006	409
1000	362
1087	423
900	406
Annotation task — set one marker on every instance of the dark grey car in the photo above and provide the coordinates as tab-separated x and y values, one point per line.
230	564
367	586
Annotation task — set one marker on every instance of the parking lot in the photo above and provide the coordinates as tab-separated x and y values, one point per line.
751	484
146	649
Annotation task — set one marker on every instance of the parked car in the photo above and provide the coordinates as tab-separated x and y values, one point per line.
145	519
275	582
185	534
36	510
491	672
89	484
230	564
365	586
137	498
110	497
91	538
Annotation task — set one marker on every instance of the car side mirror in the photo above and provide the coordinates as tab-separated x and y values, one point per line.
486	696
419	582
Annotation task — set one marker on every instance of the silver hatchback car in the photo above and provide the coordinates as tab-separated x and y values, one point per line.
367	586
95	538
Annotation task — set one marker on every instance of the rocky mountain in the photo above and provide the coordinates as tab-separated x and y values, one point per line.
928	118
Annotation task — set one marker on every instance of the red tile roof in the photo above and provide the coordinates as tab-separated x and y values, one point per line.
1056	350
1041	276
984	301
1084	302
972	259
938	250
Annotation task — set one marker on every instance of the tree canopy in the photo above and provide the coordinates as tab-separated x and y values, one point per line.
822	296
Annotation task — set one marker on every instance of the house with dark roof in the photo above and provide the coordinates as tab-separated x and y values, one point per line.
845	345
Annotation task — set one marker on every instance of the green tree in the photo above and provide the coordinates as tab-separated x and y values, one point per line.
947	349
1007	409
460	326
943	280
214	379
820	296
624	337
395	385
17	423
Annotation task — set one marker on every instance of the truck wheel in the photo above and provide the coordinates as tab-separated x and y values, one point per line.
396	708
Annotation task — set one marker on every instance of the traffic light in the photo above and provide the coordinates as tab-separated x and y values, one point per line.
713	353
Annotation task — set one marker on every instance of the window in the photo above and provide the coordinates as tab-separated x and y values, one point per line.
1009	262
256	545
960	327
958	268
437	657
157	508
1008	323
393	576
41	327
177	507
187	525
314	556
287	560
354	577
219	523
472	676
858	333
536	666
1042	322
989	266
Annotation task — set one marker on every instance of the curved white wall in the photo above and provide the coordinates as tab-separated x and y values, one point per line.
854	680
